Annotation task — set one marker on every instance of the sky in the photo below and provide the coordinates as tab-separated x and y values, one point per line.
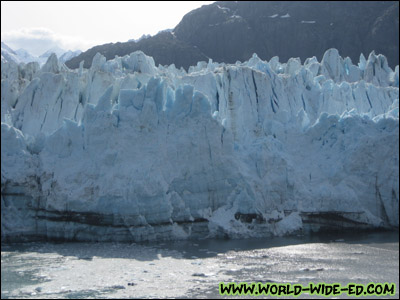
38	26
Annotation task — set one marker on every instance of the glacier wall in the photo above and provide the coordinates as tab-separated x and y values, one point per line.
127	151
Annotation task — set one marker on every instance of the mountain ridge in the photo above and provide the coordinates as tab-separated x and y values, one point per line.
228	31
23	56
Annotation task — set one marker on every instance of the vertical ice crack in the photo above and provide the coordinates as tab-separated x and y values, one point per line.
44	120
378	196
61	104
255	86
33	95
272	105
208	142
217	103
304	104
256	92
275	97
369	100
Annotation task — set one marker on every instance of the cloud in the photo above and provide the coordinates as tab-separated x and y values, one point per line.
38	40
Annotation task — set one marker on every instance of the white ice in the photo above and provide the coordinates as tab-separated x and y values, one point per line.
141	145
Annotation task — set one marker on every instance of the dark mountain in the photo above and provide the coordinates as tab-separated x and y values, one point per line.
228	31
164	47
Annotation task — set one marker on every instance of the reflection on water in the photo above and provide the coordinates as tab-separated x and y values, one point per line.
194	268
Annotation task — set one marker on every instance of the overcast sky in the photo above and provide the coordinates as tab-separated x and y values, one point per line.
41	25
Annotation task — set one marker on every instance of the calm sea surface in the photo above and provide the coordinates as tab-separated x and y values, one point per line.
193	269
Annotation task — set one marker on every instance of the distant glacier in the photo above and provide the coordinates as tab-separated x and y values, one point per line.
127	151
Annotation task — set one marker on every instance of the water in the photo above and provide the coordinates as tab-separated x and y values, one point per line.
193	269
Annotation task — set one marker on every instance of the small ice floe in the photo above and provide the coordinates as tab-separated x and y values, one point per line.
199	275
273	16
265	280
285	16
311	270
119	287
308	22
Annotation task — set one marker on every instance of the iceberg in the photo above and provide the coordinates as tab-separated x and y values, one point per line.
131	151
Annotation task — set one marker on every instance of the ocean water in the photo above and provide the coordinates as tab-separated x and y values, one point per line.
193	269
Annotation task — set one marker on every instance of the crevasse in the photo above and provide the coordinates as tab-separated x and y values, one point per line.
127	151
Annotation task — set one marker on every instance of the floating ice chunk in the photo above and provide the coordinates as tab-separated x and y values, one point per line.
288	224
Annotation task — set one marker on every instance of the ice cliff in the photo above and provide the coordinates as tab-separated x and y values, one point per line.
127	151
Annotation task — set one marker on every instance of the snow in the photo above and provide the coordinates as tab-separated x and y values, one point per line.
68	55
6	47
224	9
126	150
23	56
7	54
145	36
57	50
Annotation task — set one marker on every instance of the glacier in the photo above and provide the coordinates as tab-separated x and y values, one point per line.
131	151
